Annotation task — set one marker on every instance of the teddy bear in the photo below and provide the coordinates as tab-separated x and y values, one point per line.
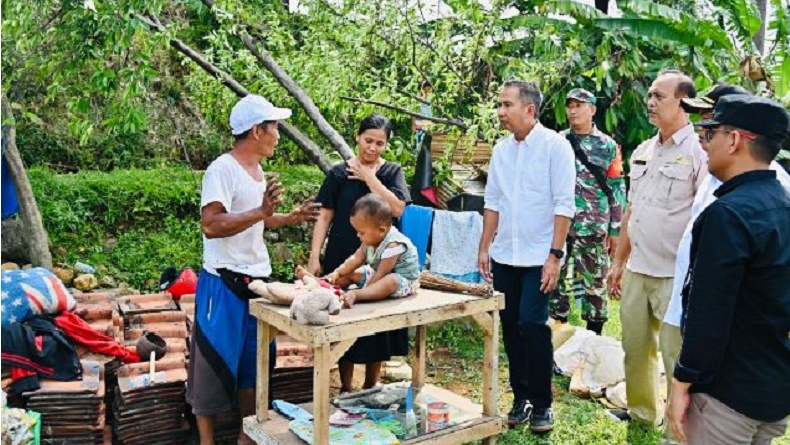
315	307
311	301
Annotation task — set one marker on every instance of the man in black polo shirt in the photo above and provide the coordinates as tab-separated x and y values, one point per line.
732	379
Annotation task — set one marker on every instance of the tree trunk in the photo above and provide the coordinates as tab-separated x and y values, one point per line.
37	236
759	38
309	147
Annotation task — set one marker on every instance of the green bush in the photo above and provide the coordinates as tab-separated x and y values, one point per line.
135	223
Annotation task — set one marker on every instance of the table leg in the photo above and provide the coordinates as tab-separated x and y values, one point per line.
418	362
491	371
322	362
263	377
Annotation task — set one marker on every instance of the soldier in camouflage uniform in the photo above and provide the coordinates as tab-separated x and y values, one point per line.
596	225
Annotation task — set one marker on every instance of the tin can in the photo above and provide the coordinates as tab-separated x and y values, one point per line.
438	416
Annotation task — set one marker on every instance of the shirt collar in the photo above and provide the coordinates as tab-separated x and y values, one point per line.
678	136
743	178
594	132
533	134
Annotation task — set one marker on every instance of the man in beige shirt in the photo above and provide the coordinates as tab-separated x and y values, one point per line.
666	171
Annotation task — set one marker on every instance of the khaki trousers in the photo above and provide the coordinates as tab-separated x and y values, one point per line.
644	303
712	422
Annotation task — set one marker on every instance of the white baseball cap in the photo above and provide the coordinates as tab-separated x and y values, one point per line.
253	109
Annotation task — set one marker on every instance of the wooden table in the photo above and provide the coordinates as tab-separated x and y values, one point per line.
331	341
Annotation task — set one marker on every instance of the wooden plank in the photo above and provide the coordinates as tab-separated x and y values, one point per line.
340	348
262	379
418	363
464	150
278	317
491	366
363	319
473	427
276	432
322	356
465	432
388	322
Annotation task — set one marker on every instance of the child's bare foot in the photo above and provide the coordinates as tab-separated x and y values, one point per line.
349	298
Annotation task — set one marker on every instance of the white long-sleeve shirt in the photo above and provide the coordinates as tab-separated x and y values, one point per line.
529	182
702	200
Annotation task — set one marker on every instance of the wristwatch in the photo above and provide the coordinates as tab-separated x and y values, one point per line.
557	253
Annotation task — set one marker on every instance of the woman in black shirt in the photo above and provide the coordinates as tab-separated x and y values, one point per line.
344	184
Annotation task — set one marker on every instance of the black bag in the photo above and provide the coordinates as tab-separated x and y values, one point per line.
238	282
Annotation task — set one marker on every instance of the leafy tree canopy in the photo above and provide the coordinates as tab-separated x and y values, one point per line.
96	87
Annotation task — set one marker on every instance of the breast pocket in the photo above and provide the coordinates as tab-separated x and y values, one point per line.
679	183
635	178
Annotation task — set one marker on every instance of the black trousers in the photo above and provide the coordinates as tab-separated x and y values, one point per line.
527	336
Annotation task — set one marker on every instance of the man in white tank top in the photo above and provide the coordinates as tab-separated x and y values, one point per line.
236	205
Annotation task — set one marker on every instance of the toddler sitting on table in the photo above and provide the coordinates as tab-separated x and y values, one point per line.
385	265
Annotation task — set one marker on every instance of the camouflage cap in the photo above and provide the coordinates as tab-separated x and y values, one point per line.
581	95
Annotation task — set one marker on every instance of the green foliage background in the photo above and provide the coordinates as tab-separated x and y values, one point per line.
98	89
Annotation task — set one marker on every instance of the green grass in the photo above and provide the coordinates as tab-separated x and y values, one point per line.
577	421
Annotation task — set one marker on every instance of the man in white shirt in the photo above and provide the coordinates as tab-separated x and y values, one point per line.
236	204
529	204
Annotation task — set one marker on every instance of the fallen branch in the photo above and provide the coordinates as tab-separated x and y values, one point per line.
412	96
265	58
309	147
438	120
438	282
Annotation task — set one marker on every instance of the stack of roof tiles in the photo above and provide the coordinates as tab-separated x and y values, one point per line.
73	412
292	379
149	406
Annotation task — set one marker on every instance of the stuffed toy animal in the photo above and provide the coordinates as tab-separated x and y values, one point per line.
277	293
311	300
315	307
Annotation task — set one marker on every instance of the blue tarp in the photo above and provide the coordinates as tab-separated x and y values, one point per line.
8	200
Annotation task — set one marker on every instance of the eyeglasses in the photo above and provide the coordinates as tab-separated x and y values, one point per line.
707	133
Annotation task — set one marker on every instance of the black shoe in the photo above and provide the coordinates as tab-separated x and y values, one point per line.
520	413
542	420
618	414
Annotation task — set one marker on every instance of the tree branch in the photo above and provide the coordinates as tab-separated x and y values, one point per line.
31	217
309	147
412	96
265	58
438	120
